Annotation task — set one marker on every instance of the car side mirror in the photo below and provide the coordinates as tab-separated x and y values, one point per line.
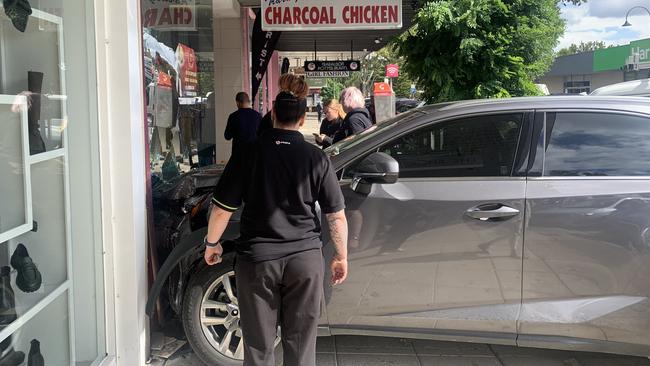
376	168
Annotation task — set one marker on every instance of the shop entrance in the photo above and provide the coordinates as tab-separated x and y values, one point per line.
197	55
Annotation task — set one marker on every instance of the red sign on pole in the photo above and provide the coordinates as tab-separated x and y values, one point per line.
392	71
382	89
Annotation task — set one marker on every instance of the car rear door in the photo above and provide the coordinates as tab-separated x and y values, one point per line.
587	245
439	252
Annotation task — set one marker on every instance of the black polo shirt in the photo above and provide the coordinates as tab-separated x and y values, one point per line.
279	179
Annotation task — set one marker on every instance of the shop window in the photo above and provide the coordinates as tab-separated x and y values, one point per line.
179	86
577	87
51	292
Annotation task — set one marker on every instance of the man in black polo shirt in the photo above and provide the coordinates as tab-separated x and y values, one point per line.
279	266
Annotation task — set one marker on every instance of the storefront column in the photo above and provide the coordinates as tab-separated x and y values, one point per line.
228	71
122	154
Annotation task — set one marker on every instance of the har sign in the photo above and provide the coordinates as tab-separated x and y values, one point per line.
169	15
294	15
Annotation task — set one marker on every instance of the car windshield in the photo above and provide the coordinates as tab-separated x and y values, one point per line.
355	140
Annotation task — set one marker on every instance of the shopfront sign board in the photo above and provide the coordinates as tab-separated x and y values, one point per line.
331	69
169	15
298	15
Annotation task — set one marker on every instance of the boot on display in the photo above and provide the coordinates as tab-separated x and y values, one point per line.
12	358
35	357
29	278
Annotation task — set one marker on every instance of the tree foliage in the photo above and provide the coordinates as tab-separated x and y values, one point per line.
466	49
331	90
582	47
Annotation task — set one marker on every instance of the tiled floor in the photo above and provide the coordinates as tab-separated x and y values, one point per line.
377	351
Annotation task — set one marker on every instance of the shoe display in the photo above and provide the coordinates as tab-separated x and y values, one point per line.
35	357
29	278
12	358
18	11
7	298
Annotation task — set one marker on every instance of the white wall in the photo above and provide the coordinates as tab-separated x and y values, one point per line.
228	70
606	78
122	153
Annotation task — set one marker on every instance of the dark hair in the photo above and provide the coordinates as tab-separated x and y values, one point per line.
242	98
289	108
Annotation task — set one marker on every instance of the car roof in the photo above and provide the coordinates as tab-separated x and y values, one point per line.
633	104
634	87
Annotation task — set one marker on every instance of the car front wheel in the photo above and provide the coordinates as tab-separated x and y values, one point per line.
211	315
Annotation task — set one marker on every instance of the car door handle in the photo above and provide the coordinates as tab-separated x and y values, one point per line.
491	211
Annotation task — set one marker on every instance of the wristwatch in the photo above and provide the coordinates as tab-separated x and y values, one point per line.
210	245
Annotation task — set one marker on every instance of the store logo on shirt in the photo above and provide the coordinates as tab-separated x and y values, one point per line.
278	142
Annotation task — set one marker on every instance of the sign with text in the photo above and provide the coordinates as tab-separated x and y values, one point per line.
188	70
392	71
331	69
262	48
169	15
296	15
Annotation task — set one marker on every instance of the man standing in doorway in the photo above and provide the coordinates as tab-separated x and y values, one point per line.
279	265
243	123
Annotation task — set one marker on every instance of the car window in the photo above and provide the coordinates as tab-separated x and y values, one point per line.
597	144
482	146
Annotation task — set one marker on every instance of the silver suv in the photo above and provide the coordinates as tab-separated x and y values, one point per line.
518	221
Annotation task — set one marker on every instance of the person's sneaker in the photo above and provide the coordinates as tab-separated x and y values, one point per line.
35	357
12	358
29	278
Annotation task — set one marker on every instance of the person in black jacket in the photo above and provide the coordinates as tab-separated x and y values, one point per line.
357	118
334	116
243	123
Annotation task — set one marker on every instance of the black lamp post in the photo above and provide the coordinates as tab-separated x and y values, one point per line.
628	24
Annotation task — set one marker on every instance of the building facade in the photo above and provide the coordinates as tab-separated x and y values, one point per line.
588	71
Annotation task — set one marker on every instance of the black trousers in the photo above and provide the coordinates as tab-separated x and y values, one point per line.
286	291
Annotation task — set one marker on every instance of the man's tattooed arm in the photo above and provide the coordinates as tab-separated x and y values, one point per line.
338	225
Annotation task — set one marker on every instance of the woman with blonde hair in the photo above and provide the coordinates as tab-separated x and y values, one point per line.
334	116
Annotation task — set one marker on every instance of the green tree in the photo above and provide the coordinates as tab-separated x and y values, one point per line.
466	49
331	90
582	47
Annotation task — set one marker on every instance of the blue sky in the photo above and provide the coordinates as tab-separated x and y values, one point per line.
601	20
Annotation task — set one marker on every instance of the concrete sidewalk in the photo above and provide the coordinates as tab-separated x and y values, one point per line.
380	351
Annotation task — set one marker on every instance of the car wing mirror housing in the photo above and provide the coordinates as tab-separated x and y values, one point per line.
376	168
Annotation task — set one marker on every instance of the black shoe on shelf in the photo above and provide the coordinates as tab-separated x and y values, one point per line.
35	357
7	298
29	278
12	358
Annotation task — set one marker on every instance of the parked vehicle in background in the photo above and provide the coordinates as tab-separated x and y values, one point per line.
519	221
639	88
405	104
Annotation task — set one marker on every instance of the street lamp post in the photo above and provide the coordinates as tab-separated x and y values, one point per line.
628	24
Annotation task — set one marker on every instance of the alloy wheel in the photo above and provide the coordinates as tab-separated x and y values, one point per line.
220	317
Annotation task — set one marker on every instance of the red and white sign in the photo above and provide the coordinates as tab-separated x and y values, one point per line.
392	71
169	15
188	70
382	90
295	15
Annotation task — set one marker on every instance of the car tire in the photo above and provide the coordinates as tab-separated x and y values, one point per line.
207	284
